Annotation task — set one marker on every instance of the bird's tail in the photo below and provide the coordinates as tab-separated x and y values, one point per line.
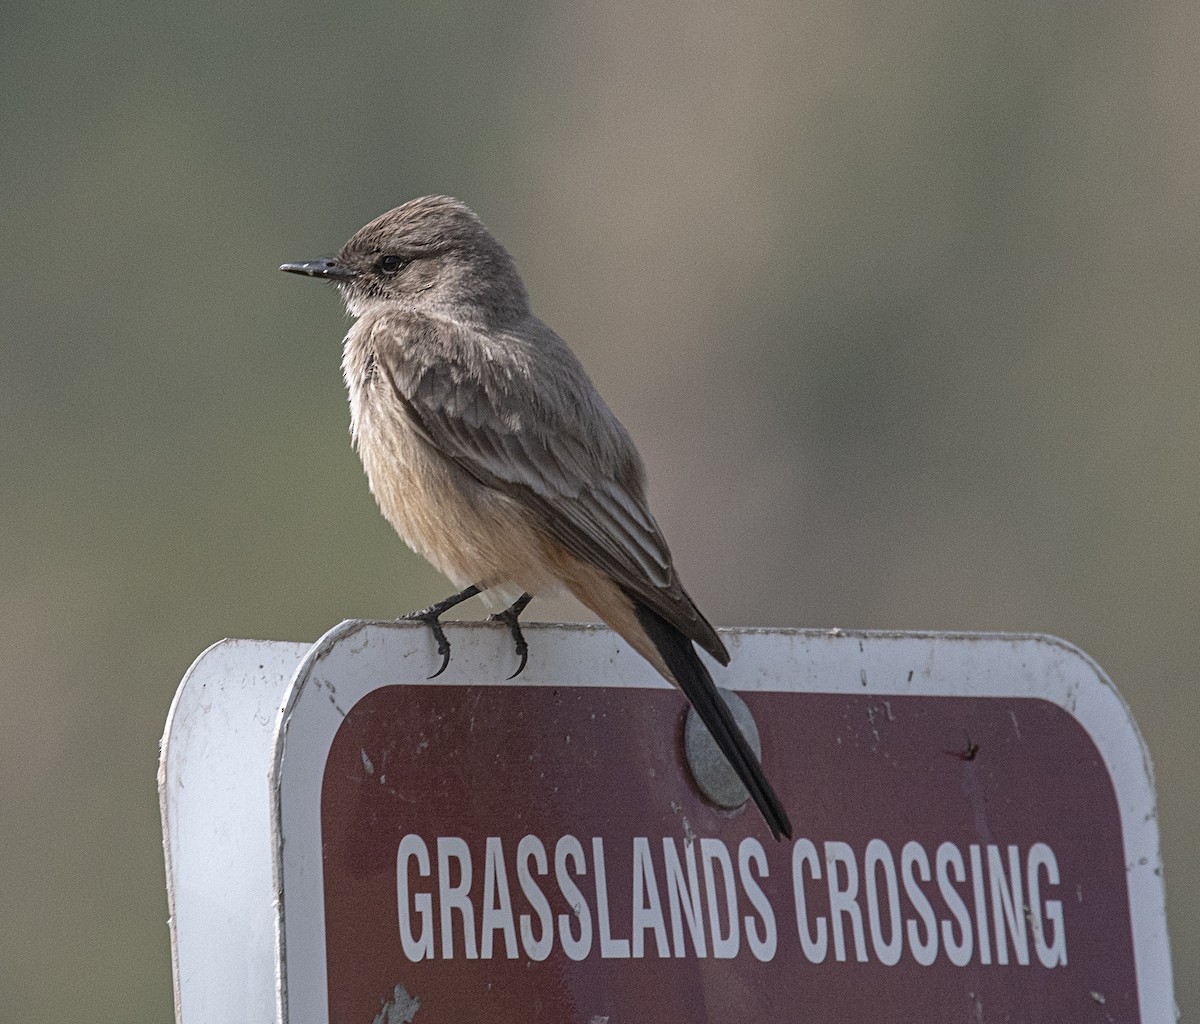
697	685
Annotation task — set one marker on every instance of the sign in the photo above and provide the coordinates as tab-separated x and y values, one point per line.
973	815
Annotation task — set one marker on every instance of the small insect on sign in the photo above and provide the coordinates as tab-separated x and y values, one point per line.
974	837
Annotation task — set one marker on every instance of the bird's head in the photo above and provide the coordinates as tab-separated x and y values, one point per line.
433	255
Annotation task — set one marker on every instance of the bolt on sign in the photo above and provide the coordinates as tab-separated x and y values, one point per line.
349	841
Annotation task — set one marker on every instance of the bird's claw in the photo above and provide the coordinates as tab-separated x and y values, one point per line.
523	654
510	617
430	617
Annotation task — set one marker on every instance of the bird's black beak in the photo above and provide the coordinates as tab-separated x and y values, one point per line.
327	268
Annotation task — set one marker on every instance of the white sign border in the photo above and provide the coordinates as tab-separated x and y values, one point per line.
933	665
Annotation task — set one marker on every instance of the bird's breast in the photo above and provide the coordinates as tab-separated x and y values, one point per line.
472	533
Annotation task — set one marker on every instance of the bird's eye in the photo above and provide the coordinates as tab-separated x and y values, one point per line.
389	264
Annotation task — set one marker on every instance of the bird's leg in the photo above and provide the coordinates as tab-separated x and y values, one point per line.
511	615
430	616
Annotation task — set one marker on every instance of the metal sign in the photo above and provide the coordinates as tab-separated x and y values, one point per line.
974	836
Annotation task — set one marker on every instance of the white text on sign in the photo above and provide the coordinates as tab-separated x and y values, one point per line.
981	904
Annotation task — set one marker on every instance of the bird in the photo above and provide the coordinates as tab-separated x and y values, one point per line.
490	451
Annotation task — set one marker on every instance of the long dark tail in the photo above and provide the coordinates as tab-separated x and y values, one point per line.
697	685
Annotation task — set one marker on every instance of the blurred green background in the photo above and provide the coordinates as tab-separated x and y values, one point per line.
900	303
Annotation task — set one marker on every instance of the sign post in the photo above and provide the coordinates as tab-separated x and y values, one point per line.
974	835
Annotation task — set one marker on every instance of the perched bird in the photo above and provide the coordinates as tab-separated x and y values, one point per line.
492	454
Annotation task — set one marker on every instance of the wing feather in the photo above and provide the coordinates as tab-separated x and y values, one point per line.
520	415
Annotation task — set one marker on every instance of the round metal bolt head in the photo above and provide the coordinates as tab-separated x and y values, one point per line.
714	776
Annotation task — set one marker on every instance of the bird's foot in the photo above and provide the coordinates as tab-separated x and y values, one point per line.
431	616
511	616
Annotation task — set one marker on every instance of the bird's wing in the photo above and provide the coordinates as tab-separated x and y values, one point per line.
522	417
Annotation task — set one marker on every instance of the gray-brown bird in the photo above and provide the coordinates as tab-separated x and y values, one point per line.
492	454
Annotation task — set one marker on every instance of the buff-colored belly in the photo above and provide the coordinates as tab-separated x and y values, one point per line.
471	533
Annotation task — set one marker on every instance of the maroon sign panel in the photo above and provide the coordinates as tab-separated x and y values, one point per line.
527	853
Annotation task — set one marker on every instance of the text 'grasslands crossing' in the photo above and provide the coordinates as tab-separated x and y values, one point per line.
983	904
